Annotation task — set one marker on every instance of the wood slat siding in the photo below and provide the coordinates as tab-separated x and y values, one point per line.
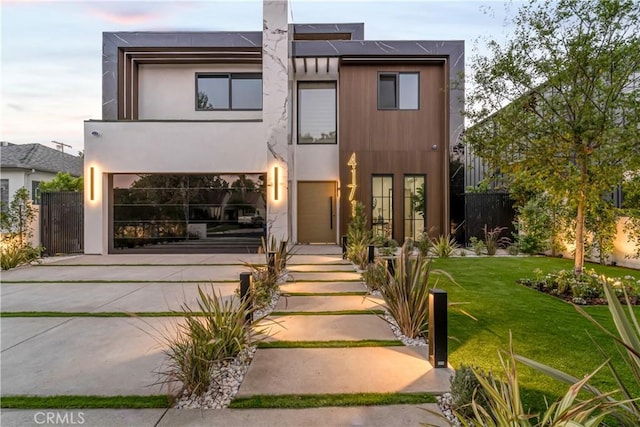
397	142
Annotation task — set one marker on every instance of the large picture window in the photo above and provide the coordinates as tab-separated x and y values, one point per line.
382	205
415	205
399	91
165	208
231	91
317	113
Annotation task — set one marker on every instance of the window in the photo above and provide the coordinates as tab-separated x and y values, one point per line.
317	113
4	194
35	192
415	205
382	205
398	91
234	91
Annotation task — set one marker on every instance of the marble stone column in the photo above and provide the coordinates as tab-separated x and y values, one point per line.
275	113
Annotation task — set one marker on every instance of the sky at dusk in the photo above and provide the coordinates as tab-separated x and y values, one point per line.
51	51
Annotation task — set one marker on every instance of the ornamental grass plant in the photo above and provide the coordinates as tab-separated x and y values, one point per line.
407	293
213	332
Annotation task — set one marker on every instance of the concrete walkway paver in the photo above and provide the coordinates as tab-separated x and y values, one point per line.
323	287
374	416
327	328
111	356
101	297
328	303
84	356
343	370
82	417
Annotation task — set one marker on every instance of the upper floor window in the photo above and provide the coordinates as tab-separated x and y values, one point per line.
230	91
398	91
317	113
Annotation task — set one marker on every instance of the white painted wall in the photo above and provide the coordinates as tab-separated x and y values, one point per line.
623	251
175	147
161	147
168	92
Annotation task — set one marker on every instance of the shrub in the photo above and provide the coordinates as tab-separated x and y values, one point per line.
586	288
477	245
358	238
465	388
15	225
266	281
444	246
214	332
13	255
386	246
424	244
376	275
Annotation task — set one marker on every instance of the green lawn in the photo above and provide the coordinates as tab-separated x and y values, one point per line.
544	328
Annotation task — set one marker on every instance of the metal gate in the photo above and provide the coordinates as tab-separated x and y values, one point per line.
62	222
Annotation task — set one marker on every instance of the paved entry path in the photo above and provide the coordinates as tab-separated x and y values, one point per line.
118	355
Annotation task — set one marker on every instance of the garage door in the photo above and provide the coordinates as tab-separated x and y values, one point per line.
317	212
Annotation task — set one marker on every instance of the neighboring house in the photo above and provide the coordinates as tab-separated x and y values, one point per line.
294	123
26	165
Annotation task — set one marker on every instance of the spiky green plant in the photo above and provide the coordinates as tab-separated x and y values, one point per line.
504	405
407	293
213	332
376	275
358	238
444	246
628	337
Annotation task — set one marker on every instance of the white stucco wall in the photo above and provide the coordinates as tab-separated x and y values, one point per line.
175	147
167	92
162	147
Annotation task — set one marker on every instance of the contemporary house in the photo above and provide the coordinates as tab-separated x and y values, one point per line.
26	165
227	135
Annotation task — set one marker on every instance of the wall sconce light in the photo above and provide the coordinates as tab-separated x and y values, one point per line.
275	183
95	133
91	183
434	147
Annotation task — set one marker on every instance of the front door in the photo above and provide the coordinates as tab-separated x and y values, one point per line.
317	212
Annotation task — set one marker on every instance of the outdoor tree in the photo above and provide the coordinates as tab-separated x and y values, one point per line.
557	105
16	221
63	181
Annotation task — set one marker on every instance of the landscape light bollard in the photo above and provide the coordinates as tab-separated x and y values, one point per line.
344	246
245	294
438	328
271	262
282	262
391	266
372	254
